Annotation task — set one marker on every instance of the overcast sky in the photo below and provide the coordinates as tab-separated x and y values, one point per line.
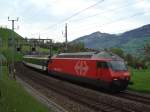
47	17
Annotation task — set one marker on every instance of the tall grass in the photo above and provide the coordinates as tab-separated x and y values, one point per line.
13	98
141	80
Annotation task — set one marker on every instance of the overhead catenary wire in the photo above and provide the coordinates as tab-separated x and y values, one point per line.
77	13
73	15
105	11
112	22
107	23
13	46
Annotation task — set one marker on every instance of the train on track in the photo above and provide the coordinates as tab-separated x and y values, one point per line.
103	69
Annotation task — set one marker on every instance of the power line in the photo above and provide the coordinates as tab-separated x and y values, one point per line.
107	23
66	36
104	11
120	19
126	5
77	13
134	15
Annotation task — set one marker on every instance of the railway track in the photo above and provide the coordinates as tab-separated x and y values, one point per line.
86	100
90	100
135	97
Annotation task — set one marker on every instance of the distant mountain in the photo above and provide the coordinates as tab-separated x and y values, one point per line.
130	41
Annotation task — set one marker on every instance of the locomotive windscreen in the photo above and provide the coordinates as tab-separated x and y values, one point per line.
118	65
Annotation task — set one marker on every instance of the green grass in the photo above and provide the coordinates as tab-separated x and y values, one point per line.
14	98
26	48
44	50
8	54
141	80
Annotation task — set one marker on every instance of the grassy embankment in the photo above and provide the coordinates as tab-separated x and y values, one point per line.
141	80
27	48
13	98
5	35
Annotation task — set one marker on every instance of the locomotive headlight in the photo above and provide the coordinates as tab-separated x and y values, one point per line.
115	79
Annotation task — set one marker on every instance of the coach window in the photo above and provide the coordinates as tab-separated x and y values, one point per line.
102	65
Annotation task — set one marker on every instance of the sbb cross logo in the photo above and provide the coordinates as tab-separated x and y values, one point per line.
81	68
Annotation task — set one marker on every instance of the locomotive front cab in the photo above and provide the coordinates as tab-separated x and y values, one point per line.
119	70
120	75
115	72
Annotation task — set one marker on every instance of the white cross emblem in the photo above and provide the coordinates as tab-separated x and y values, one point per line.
81	68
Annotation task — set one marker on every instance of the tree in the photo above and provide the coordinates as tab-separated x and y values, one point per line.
129	59
147	50
76	47
118	51
147	54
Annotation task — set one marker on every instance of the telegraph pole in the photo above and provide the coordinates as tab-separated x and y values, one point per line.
66	36
13	46
1	57
39	43
50	45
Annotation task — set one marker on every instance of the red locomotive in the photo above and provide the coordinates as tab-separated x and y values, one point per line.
102	68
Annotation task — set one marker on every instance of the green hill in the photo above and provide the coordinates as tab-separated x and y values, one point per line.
6	46
6	43
13	98
5	35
